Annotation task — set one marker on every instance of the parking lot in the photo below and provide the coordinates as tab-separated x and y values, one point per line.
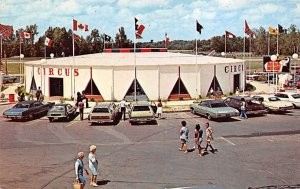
259	151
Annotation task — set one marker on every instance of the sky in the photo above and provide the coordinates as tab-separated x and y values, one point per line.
177	18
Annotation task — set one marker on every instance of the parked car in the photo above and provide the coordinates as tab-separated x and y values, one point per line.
28	110
213	109
273	103
253	106
61	111
292	97
141	112
8	79
104	112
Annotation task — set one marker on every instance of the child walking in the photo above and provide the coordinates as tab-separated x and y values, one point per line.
209	137
184	135
198	132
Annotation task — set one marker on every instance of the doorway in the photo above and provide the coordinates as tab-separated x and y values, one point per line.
236	82
56	86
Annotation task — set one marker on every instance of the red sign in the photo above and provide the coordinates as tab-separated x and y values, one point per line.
57	71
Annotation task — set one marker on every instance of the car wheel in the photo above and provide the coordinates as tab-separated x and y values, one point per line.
295	106
268	110
209	117
50	119
31	117
68	118
193	111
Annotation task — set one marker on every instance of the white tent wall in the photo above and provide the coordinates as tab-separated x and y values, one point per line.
188	77
207	75
81	81
150	86
123	77
168	78
102	77
223	78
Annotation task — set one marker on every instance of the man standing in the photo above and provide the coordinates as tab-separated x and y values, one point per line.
123	108
38	94
243	109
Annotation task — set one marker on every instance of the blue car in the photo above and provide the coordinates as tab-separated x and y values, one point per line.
27	110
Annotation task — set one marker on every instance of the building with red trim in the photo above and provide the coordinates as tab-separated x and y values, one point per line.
111	75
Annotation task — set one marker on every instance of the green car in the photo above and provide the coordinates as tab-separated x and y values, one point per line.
213	109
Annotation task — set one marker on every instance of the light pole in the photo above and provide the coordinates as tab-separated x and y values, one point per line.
21	67
42	62
295	57
274	58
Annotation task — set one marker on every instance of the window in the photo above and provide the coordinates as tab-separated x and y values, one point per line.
218	105
100	110
141	108
296	96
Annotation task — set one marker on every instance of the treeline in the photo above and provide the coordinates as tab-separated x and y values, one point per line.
94	43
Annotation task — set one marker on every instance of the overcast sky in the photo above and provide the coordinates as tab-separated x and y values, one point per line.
176	17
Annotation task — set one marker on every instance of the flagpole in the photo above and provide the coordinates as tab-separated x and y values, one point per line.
134	46
244	49
20	58
277	42
45	51
72	68
269	43
225	44
196	70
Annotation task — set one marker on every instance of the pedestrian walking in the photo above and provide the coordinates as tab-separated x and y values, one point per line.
184	136
38	94
79	168
198	132
93	165
123	108
159	109
81	108
209	137
243	114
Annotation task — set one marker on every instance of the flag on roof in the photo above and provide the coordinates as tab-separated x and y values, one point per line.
6	30
48	42
281	30
138	29
167	40
80	26
107	37
26	35
229	34
273	31
199	27
248	31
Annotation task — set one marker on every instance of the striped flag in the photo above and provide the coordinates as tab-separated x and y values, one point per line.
248	31
6	31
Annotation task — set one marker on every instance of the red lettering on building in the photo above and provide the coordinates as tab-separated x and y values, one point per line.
67	71
51	71
59	71
76	72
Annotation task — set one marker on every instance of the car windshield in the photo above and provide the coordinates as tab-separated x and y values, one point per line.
296	96
100	110
21	106
274	99
218	105
141	108
58	108
253	101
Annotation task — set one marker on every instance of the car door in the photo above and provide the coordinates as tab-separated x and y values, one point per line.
201	108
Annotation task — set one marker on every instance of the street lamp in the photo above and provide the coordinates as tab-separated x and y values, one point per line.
21	67
274	58
295	57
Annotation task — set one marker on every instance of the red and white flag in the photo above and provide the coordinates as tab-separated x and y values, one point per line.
138	29
6	31
248	31
167	40
48	42
80	26
229	34
26	35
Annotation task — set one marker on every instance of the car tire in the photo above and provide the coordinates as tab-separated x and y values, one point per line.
209	117
68	118
268	110
50	119
31	117
193	111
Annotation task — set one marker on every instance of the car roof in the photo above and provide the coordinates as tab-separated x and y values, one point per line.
28	102
140	103
240	97
62	104
212	101
103	105
286	93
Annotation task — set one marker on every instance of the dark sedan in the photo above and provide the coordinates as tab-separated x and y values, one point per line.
253	106
28	110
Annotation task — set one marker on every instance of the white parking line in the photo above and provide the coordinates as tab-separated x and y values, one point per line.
227	141
71	123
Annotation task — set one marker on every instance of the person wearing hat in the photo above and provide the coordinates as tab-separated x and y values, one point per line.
93	165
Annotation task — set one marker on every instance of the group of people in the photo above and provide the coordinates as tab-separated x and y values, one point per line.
93	166
81	101
198	134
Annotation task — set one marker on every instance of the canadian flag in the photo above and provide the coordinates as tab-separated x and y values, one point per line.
80	26
26	35
48	42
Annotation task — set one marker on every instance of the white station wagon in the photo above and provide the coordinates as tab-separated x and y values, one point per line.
273	103
292	97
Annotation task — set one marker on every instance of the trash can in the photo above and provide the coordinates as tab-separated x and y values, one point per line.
11	98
